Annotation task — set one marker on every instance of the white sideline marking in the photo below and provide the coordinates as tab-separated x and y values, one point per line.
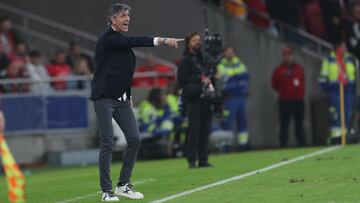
99	192
268	168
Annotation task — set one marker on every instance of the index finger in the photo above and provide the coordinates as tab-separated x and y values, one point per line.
179	40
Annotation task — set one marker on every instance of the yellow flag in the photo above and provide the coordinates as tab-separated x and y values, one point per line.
14	176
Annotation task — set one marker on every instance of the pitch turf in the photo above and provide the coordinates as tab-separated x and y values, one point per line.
330	177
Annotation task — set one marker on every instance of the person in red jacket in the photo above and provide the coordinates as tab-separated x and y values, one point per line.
288	80
163	75
59	68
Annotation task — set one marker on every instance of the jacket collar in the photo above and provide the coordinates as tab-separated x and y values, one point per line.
111	30
234	60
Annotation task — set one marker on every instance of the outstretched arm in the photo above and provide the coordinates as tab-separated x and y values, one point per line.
171	42
115	41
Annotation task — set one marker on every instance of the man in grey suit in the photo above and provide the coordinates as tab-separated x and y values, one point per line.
111	93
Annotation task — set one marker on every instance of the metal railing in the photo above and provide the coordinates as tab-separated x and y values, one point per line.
43	94
85	79
311	44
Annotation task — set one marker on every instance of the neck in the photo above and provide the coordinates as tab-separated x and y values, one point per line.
112	26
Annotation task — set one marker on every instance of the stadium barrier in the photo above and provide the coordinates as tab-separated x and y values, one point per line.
44	110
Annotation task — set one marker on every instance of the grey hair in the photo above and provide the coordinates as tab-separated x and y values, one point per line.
114	9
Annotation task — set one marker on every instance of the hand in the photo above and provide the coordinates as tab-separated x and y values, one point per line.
206	80
172	42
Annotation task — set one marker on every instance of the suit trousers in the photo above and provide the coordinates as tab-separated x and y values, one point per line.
199	119
121	111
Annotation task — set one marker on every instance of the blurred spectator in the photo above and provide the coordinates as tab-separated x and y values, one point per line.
353	2
285	11
8	35
172	98
4	61
234	79
81	68
57	68
236	8
288	80
16	70
38	72
338	68
313	18
333	16
75	55
154	115
353	31
258	13
19	53
164	74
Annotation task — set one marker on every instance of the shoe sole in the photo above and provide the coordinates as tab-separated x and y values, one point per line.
110	200
124	195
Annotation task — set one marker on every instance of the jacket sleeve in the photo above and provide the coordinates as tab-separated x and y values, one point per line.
183	73
115	41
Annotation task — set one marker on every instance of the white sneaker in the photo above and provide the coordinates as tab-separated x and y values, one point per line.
109	197
128	191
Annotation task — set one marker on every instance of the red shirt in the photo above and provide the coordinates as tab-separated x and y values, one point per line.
260	7
151	81
59	70
289	81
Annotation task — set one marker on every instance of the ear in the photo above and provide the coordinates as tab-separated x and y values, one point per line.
112	19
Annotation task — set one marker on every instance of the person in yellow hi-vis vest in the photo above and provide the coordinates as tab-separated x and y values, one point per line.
15	178
234	78
154	115
338	67
179	132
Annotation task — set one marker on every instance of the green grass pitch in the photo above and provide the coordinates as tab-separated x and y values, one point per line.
330	177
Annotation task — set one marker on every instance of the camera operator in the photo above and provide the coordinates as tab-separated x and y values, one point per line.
197	93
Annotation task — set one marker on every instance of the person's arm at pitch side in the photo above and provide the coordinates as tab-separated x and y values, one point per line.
116	41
